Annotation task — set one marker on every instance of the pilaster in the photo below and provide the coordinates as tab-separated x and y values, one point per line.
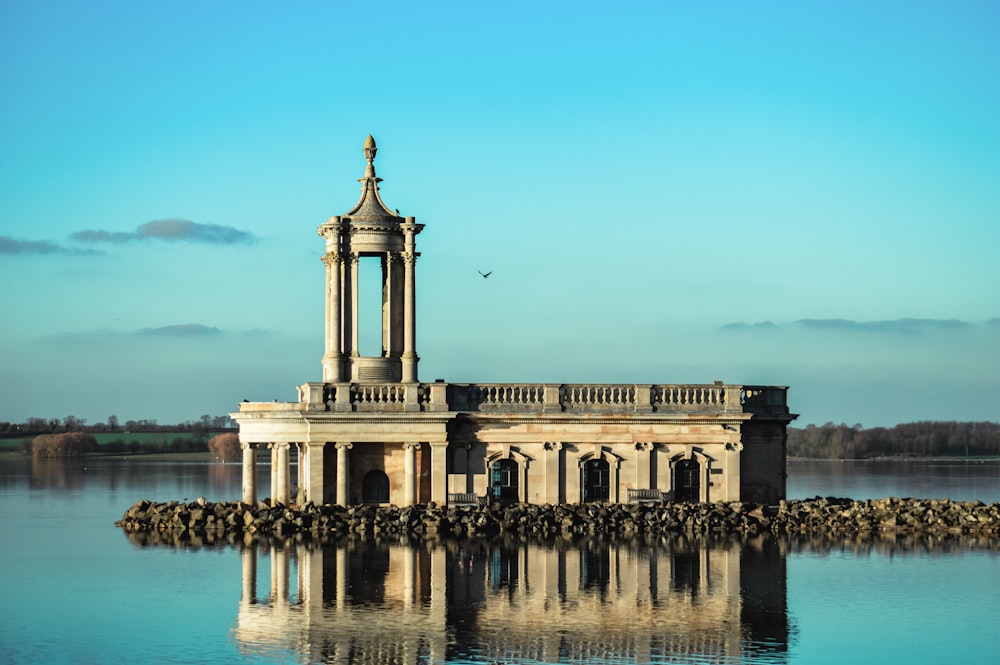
643	463
313	474
553	471
439	472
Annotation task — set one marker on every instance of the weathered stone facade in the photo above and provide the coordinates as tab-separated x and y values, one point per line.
371	433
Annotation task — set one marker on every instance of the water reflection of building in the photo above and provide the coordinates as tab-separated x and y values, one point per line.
509	602
370	432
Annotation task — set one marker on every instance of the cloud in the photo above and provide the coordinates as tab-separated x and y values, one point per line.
907	326
170	230
743	325
10	245
891	326
181	330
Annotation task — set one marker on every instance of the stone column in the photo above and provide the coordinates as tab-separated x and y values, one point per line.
409	304
439	472
333	364
391	346
410	473
353	345
279	472
274	472
300	479
249	473
343	473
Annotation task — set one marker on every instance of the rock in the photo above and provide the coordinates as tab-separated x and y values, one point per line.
822	515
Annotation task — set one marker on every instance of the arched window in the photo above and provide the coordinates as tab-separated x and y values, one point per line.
375	487
503	481
596	480
687	480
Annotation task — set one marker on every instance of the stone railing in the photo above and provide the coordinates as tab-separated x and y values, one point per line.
602	397
685	397
536	398
379	396
497	397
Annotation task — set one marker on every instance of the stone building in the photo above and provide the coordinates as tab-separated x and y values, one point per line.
371	432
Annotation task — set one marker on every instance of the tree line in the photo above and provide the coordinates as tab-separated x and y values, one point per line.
225	446
829	441
36	426
920	439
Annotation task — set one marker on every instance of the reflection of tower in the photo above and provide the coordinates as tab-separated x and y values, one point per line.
375	603
370	232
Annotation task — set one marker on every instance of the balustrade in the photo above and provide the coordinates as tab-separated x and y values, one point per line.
502	396
578	398
378	396
596	396
667	397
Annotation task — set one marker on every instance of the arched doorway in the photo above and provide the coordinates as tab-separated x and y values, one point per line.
375	487
596	480
503	481
687	480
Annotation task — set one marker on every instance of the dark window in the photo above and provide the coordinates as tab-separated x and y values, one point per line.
503	481
687	483
375	487
595	480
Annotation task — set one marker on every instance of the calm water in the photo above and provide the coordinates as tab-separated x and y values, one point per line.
76	590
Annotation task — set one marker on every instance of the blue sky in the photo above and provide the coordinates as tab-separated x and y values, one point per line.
801	194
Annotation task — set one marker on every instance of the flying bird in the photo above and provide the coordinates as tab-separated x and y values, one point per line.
485	274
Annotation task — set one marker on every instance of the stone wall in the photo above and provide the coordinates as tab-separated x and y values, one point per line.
824	516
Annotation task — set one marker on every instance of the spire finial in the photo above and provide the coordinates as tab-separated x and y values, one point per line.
370	149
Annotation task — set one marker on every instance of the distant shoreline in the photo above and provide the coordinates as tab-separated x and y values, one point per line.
158	456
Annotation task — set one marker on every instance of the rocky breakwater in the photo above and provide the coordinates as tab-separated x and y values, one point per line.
818	516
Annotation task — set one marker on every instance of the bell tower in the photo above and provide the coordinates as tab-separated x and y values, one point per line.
370	229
